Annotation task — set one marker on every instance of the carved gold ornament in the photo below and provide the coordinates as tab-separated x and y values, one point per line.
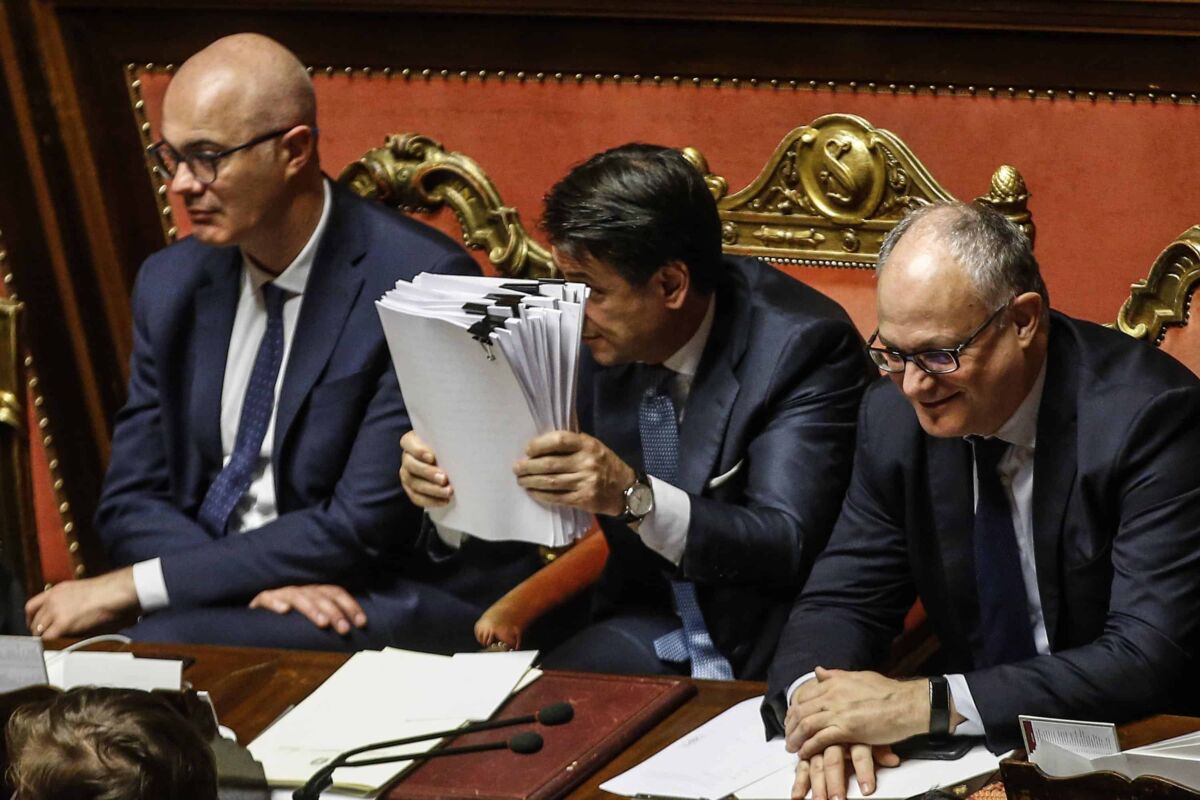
415	173
1163	298
833	189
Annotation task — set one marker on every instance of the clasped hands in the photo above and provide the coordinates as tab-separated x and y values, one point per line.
852	716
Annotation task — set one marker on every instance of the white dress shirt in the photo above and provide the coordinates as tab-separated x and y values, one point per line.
1016	475
257	506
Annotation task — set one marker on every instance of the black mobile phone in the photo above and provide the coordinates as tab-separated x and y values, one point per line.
935	748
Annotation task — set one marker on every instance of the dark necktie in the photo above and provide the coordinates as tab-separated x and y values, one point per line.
258	404
1005	632
659	429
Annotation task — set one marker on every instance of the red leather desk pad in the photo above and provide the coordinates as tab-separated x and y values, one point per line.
611	712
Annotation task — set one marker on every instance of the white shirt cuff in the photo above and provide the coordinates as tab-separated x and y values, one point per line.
150	585
665	528
964	704
796	685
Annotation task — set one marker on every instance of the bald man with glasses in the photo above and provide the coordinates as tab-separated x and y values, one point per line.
1031	479
251	496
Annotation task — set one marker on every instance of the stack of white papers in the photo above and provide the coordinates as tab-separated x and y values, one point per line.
485	365
1063	748
728	755
124	670
383	695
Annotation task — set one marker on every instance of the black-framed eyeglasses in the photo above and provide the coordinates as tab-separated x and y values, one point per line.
202	164
940	361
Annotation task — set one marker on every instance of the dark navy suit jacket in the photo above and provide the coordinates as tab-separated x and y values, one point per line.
1116	525
340	416
776	392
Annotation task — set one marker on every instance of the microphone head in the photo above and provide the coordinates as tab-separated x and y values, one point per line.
525	743
556	714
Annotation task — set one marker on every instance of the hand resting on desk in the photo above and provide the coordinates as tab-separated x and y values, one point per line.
862	712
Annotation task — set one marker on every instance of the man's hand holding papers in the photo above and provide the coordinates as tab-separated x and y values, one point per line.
577	470
485	366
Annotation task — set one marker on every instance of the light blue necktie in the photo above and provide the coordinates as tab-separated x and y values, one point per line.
659	430
233	481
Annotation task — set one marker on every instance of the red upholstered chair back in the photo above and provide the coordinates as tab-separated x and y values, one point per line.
818	209
1159	307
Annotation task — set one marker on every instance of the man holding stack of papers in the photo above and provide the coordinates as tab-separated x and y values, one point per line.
721	424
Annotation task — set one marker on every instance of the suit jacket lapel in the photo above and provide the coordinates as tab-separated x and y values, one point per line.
215	307
715	389
952	497
1054	468
333	286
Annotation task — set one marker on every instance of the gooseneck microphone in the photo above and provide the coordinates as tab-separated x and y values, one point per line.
523	743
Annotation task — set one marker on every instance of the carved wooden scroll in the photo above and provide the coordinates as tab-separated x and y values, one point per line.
1163	298
827	196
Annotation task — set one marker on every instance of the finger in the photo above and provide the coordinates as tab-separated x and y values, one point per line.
304	605
544	465
826	737
816	705
835	773
550	498
863	761
801	784
411	443
424	471
345	601
39	623
814	723
432	493
816	776
884	756
557	483
331	611
553	443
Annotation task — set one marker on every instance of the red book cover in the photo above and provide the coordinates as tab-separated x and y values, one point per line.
611	712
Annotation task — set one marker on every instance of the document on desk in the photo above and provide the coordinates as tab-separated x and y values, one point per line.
485	365
379	696
723	755
913	777
729	756
1063	748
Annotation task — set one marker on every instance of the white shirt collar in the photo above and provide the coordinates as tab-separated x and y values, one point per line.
686	360
295	277
1021	427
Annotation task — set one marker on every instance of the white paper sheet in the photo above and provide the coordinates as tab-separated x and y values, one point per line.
721	756
912	777
68	670
379	696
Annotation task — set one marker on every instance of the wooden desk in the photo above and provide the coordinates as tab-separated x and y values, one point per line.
251	687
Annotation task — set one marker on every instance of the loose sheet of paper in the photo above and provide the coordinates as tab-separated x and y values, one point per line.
912	777
721	756
379	696
68	670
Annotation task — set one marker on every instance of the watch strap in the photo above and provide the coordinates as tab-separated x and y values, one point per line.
939	705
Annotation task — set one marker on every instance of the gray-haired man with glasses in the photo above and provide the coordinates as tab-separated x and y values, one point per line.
251	495
1031	479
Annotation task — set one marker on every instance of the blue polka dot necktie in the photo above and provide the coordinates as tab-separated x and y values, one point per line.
659	429
257	406
1005	631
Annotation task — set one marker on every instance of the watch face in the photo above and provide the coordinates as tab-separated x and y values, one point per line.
639	499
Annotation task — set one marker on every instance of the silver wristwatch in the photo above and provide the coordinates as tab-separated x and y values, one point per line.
639	499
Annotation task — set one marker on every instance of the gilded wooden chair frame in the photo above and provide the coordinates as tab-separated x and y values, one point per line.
827	196
18	530
1163	298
